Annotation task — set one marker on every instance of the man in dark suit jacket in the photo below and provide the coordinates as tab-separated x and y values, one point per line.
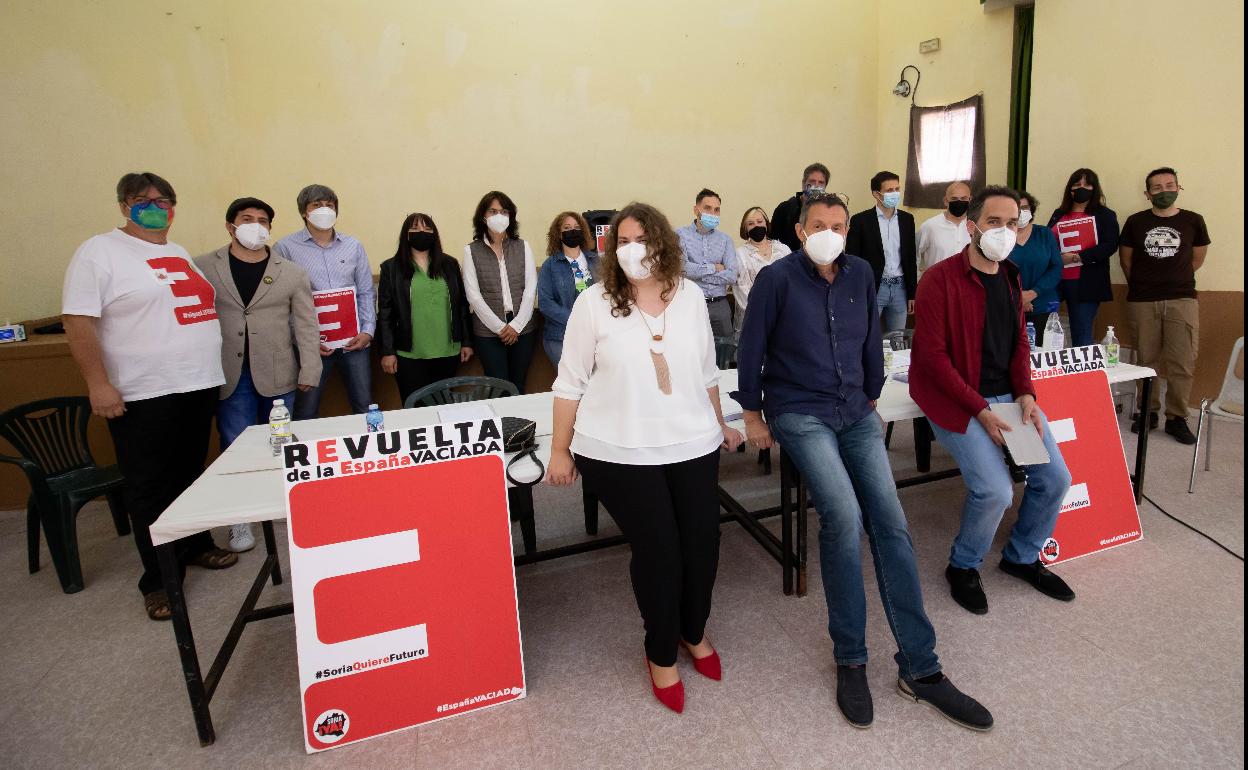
883	235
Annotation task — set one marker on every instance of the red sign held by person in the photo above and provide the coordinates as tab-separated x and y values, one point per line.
403	582
337	315
1099	511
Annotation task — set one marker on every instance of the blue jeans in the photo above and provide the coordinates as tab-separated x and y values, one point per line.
554	351
245	407
357	373
990	490
851	485
1082	315
890	300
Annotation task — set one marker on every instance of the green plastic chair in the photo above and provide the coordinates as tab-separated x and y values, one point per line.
459	390
51	437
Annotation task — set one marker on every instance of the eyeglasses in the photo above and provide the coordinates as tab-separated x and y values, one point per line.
164	203
496	210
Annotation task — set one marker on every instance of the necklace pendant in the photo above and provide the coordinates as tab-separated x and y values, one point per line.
658	338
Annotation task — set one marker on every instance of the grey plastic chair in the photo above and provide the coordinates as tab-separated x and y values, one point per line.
459	390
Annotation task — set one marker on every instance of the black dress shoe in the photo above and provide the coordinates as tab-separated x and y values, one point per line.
1135	422
853	696
1040	579
1177	427
966	589
952	703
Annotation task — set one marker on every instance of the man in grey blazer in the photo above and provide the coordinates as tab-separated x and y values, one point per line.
270	338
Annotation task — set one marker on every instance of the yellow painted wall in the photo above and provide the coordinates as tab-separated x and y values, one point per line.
1125	86
402	106
974	57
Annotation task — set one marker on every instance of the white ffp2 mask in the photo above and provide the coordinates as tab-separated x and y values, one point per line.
323	218
997	243
824	246
632	257
252	235
497	222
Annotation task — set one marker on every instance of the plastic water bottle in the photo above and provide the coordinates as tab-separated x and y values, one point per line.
1112	348
279	426
1031	335
376	422
888	358
1054	337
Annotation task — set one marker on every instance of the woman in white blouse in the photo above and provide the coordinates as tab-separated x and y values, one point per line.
637	414
757	251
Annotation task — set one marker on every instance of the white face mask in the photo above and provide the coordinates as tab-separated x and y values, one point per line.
252	235
997	243
631	257
1024	218
497	222
824	246
323	218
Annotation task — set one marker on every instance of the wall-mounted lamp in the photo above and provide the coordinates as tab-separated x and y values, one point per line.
903	87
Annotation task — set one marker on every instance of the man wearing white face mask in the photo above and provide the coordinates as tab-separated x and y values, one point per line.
970	351
810	363
269	333
334	261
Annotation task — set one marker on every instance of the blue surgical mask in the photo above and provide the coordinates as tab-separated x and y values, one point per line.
709	221
892	199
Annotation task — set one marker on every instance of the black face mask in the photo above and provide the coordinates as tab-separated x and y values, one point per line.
420	241
757	234
959	208
572	238
1081	195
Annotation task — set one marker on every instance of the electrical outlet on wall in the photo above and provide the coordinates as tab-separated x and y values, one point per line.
930	46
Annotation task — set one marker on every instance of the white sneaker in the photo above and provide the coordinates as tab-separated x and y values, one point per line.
241	538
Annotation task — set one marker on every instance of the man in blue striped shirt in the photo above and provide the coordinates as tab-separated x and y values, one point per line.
334	261
710	260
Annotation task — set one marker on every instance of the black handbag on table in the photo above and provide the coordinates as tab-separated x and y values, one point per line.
520	437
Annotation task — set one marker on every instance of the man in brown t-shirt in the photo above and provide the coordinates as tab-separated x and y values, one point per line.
1161	249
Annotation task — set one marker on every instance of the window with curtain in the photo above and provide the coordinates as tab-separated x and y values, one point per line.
946	145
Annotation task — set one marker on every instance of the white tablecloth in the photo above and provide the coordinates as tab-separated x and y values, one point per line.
245	483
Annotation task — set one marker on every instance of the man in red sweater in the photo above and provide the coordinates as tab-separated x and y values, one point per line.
971	351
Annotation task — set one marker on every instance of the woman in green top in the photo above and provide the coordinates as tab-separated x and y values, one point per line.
422	312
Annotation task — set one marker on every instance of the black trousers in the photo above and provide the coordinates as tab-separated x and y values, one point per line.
506	362
670	516
161	446
415	373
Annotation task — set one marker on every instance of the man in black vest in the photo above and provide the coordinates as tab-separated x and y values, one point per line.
883	235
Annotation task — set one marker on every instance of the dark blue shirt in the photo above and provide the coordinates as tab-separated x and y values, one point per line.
809	346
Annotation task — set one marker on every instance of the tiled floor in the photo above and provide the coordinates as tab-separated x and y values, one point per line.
1144	669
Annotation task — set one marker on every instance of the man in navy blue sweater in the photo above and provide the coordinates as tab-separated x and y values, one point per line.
810	360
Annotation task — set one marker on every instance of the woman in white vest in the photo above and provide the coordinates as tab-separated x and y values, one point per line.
500	279
637	414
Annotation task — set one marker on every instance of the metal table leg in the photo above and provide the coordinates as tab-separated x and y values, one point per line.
186	643
1141	443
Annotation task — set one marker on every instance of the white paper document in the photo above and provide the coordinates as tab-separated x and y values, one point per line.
1024	443
466	412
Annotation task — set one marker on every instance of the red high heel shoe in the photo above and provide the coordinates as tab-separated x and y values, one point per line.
709	667
672	696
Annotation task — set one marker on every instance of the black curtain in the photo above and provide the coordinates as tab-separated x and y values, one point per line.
930	194
1020	98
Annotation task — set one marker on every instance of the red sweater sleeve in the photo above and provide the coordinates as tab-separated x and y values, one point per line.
931	368
1020	361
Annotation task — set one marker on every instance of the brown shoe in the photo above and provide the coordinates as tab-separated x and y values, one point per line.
157	605
213	558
